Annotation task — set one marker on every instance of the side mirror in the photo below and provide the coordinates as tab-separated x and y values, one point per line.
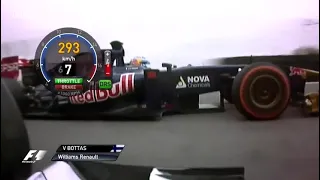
116	45
167	65
117	49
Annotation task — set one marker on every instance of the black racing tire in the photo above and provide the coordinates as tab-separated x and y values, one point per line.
16	90
14	138
261	91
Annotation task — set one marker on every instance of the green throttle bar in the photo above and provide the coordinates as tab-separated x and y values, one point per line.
68	80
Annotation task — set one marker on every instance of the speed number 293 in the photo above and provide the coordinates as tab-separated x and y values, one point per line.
68	47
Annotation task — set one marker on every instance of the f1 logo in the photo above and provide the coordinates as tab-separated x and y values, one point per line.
33	156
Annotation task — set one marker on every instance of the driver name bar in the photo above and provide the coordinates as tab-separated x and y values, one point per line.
68	80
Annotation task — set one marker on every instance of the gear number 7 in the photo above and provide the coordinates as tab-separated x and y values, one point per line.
67	70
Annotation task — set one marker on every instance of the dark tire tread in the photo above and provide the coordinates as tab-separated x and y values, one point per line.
265	68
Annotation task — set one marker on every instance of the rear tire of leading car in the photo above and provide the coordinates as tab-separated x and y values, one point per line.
14	138
261	91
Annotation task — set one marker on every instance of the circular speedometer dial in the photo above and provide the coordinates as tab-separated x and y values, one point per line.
67	60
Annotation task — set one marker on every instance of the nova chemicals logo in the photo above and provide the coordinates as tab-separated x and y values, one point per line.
181	84
198	81
194	82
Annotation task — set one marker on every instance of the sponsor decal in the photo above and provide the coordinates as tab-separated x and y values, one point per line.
124	86
194	82
181	84
10	67
198	81
132	68
295	71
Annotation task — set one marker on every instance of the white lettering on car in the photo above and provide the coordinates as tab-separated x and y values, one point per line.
9	67
198	81
295	71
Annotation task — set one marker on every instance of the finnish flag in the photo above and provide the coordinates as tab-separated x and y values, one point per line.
118	148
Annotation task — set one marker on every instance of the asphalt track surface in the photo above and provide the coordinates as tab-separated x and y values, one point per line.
286	149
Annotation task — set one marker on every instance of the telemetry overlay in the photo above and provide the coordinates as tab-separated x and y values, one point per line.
67	61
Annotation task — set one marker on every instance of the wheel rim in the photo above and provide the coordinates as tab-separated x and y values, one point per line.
265	91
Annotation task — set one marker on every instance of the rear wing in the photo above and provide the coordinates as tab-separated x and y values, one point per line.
20	69
10	67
